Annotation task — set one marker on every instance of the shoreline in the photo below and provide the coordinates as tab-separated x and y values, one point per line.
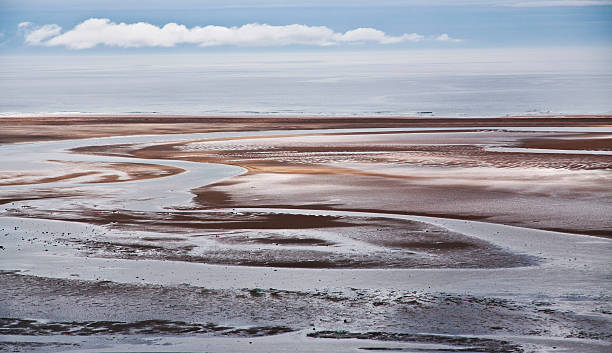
52	128
295	116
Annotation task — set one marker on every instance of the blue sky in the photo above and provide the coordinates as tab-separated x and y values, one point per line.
433	24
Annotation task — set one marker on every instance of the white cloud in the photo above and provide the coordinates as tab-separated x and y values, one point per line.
445	38
38	35
23	25
375	35
101	31
548	3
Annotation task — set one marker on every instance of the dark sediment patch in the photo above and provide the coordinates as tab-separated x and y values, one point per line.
284	240
604	233
258	331
152	239
462	344
41	194
24	346
211	198
13	326
85	306
275	240
592	141
469	256
431	245
180	222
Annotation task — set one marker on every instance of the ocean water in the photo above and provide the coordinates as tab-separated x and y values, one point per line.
438	83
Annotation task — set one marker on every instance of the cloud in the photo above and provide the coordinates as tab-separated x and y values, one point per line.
548	3
445	38
375	35
38	35
101	31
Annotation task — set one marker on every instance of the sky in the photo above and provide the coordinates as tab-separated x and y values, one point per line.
77	27
451	57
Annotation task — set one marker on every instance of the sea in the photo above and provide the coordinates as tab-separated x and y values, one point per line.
445	83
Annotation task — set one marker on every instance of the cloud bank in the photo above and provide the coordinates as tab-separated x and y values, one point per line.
101	31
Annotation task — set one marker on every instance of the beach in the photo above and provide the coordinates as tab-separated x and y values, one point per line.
397	233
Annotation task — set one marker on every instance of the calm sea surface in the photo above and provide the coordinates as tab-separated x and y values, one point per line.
450	83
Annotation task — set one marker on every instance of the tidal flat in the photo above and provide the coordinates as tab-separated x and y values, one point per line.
306	234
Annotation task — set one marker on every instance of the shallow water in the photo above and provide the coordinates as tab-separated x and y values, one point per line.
451	83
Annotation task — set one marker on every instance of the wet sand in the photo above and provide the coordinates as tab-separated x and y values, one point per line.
46	128
97	173
446	174
423	196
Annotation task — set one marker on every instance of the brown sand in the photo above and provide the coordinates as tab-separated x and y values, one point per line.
596	143
24	129
331	185
298	171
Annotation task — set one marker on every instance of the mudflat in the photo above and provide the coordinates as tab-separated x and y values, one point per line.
45	128
372	231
